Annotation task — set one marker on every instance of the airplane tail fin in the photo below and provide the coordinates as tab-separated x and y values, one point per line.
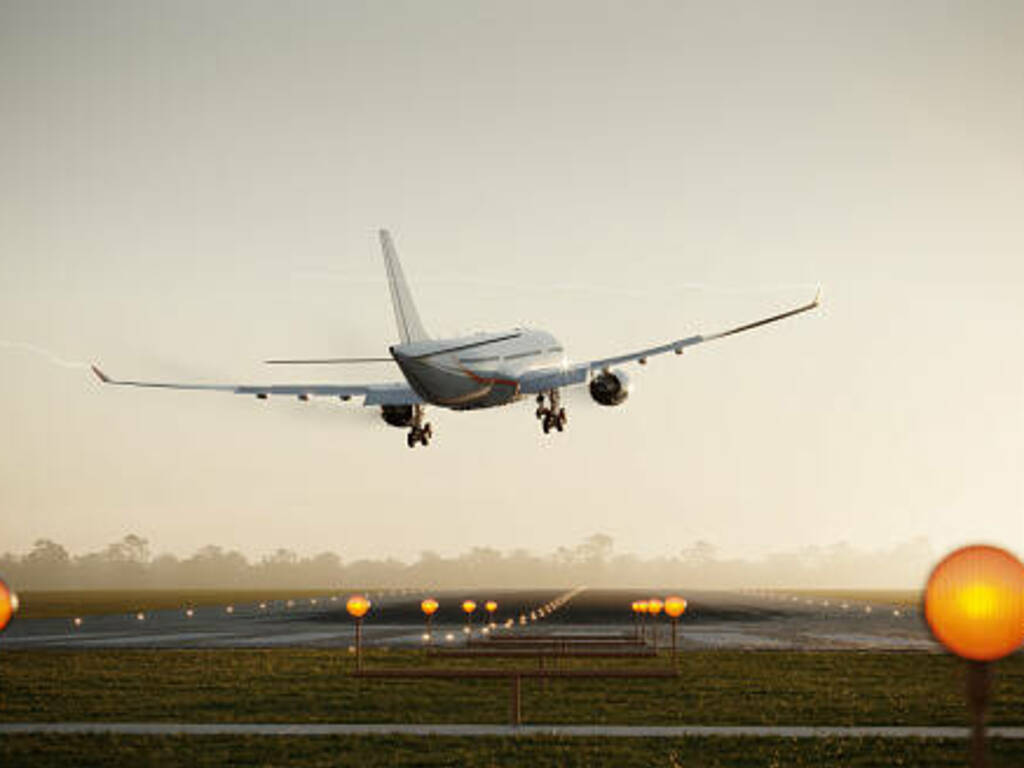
406	317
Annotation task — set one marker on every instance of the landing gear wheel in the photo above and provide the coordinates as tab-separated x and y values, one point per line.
547	424
410	440
427	431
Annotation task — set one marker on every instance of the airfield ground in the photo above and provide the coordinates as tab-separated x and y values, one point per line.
747	659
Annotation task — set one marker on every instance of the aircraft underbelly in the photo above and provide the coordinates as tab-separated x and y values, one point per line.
458	389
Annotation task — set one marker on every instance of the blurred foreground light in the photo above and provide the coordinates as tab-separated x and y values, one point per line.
425	637
429	606
449	637
263	606
974	602
189	613
78	621
230	609
8	605
357	606
140	616
675	606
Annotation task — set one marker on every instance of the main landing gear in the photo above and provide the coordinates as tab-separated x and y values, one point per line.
418	431
552	415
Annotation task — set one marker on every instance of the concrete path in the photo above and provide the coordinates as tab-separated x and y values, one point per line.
580	731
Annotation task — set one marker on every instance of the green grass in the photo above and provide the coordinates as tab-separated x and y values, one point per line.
312	685
43	604
39	751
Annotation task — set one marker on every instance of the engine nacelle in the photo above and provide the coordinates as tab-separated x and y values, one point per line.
610	388
397	415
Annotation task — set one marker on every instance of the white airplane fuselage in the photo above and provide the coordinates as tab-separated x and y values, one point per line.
479	371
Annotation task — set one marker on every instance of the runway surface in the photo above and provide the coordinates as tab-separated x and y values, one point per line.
579	731
713	620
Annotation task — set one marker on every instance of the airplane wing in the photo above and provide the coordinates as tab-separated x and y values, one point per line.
392	393
544	379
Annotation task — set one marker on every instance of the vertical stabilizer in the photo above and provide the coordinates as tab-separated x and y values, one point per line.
406	317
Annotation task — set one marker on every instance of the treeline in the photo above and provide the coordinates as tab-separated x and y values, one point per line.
130	564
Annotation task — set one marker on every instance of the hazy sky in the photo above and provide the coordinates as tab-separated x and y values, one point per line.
188	188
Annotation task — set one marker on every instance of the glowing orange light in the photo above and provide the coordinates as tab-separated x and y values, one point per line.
491	606
468	606
675	606
8	605
974	602
654	606
641	606
357	606
429	606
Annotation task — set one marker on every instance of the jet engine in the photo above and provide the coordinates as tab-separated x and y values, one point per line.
397	415
610	387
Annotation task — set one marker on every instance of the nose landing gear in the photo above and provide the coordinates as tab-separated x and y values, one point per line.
551	416
418	431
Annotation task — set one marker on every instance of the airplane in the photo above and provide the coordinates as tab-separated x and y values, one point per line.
484	370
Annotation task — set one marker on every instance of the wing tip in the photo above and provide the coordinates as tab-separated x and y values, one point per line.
817	298
100	374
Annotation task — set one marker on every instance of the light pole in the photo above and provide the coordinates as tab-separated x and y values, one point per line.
974	604
468	606
641	608
654	606
675	606
429	608
357	606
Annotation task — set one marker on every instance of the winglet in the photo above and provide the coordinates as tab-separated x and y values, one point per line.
817	297
100	375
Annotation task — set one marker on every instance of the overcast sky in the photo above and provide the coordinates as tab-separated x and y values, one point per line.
189	188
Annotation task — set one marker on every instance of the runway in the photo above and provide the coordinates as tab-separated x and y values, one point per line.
713	620
570	731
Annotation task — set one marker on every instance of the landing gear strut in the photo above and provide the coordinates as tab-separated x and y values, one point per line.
418	431
551	415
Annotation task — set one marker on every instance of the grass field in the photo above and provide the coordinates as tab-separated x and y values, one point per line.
43	751
311	685
43	604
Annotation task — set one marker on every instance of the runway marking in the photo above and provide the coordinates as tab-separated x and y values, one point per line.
167	637
732	639
875	641
461	729
289	638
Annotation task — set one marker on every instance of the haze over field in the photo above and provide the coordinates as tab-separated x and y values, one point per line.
190	188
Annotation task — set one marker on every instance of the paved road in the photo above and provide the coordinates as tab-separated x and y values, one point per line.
714	620
578	731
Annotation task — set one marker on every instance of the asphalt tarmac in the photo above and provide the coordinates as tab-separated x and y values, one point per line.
713	620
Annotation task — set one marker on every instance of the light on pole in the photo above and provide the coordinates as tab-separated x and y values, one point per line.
654	606
468	606
429	608
974	604
357	606
675	607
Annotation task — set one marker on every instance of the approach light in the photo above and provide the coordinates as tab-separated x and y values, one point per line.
491	606
429	606
357	606
77	622
654	606
8	605
468	606
675	606
974	603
